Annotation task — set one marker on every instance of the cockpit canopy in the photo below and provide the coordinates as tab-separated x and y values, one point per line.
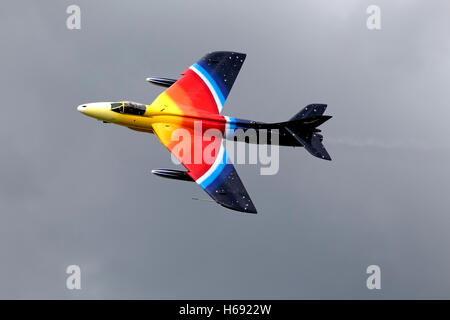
128	107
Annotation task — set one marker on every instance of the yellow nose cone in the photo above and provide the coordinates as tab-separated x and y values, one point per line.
98	110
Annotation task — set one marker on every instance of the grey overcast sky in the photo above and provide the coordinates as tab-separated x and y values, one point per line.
76	191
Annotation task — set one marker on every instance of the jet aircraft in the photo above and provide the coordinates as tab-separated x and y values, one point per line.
196	97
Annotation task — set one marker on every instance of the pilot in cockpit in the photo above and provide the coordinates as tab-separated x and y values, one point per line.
128	107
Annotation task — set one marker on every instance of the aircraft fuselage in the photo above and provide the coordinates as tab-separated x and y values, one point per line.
156	113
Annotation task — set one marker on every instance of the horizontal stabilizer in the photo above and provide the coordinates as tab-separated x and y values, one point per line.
312	142
310	111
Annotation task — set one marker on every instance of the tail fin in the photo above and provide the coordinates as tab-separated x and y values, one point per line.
303	127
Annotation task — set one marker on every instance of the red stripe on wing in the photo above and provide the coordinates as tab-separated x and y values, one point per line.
192	95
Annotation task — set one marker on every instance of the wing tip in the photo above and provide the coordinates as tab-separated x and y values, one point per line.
247	206
250	209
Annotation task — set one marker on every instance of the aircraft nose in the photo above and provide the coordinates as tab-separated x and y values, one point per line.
81	107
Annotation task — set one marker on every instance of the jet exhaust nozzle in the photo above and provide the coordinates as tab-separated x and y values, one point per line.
172	174
163	82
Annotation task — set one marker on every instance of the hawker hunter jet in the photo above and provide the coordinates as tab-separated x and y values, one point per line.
197	97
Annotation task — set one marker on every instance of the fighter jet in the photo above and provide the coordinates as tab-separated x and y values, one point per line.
194	103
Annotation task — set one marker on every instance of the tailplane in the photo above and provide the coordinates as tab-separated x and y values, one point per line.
303	127
311	110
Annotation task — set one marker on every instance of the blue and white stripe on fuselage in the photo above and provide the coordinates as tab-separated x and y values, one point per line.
230	127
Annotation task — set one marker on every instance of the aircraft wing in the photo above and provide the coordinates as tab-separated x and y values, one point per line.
203	89
206	84
215	174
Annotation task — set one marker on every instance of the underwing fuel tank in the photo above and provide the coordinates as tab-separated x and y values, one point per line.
172	174
163	82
